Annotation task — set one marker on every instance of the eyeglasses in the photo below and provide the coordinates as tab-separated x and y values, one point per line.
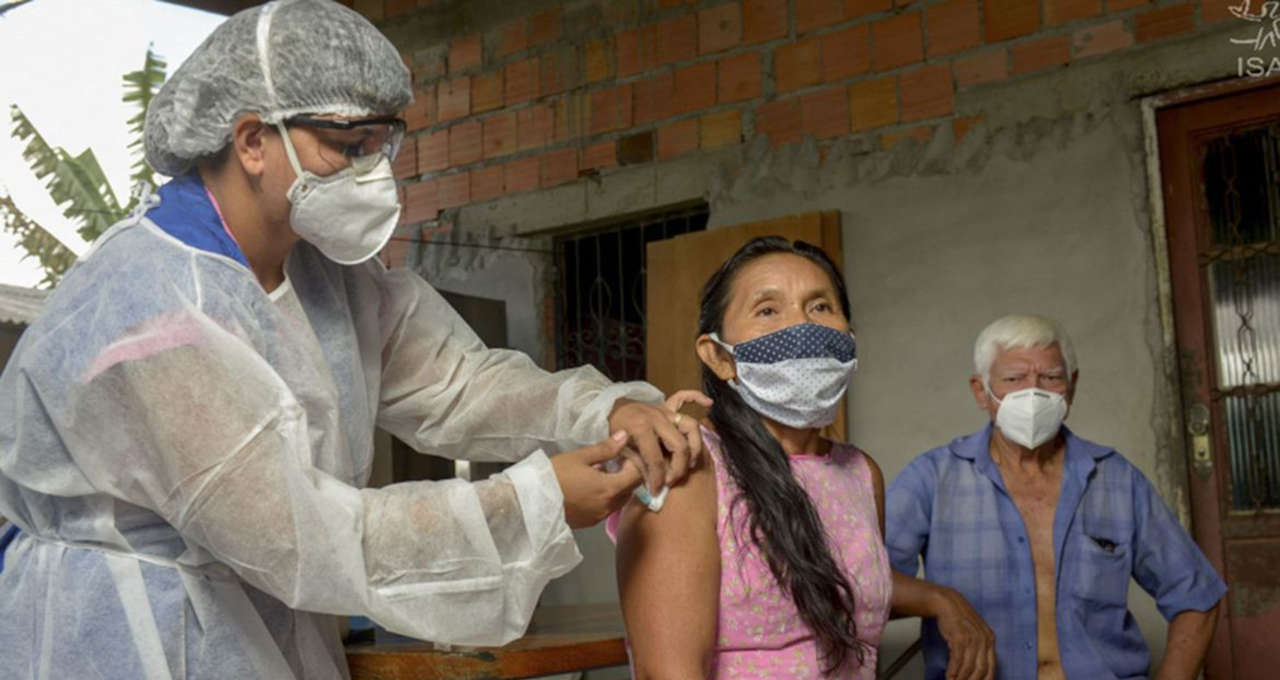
378	137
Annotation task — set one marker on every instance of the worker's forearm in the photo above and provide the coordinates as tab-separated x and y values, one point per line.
1189	635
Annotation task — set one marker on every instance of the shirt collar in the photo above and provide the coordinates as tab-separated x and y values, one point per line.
1082	454
187	213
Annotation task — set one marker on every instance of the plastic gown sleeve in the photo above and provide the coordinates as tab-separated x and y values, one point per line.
186	418
444	392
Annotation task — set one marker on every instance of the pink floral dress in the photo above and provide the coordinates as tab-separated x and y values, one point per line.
761	635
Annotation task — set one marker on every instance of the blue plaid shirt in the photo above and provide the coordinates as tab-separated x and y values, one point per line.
950	506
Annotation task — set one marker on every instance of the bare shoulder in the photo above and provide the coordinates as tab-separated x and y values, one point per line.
689	504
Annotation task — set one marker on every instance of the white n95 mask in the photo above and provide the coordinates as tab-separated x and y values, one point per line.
1031	416
349	215
795	376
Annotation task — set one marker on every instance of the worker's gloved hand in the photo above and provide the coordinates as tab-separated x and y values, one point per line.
653	429
591	493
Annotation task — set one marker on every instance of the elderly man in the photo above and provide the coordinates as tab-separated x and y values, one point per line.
1041	530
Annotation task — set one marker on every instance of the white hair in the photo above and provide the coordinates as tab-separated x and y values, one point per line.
1017	331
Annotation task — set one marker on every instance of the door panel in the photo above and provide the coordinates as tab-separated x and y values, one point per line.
1220	162
677	268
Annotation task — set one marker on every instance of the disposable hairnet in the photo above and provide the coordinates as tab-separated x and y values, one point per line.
277	60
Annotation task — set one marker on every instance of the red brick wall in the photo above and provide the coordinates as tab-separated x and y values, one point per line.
525	105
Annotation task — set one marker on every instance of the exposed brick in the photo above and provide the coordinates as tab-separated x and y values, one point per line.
372	9
953	26
677	39
846	53
420	202
763	20
1101	39
653	98
637	50
511	38
422	112
921	135
825	113
521	81
486	183
572	115
636	149
984	67
1007	19
406	163
486	91
780	121
927	93
961	126
454	190
738	78
535	126
500	135
1061	11
544	27
1041	54
858	8
558	70
1164	22
430	63
695	88
797	65
465	143
454	98
598	65
433	151
610	109
395	8
896	41
873	103
1120	5
1213	11
464	53
520	175
720	129
678	138
719	28
620	12
599	156
558	167
812	14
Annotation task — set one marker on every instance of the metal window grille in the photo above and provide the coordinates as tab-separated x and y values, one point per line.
1241	172
600	308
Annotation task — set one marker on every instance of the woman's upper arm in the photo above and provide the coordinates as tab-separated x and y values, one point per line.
669	580
877	483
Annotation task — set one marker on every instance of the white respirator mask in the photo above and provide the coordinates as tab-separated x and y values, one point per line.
1030	417
349	215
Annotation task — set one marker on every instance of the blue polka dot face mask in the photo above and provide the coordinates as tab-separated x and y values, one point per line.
795	376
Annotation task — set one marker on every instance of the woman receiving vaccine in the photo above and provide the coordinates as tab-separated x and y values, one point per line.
769	561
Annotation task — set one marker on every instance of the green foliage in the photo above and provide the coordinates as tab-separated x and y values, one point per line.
77	184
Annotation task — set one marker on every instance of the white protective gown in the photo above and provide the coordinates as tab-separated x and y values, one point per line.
185	456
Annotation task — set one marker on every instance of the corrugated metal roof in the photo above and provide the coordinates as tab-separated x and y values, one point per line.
20	305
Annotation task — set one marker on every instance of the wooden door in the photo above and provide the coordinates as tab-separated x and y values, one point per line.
677	268
1220	163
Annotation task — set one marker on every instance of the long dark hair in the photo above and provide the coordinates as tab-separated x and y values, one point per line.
783	521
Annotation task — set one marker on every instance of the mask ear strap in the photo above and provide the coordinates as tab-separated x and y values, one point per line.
986	385
288	149
715	337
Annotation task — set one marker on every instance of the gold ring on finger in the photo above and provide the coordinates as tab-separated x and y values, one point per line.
676	420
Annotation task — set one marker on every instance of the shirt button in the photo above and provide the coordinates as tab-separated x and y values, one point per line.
1027	645
1022	539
